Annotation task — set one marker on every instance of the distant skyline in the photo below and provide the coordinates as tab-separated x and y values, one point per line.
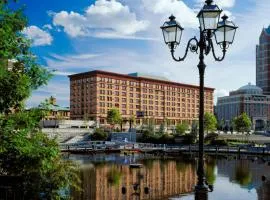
124	36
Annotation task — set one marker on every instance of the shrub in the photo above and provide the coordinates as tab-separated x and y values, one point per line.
189	139
219	142
99	134
210	137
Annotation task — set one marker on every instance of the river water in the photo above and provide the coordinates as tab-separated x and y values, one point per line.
109	177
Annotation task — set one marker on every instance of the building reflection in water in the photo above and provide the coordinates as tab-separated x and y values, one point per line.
172	178
164	178
264	191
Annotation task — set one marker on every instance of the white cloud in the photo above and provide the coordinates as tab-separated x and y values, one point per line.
102	18
47	26
38	36
183	13
60	90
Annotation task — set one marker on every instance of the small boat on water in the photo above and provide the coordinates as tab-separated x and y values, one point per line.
135	165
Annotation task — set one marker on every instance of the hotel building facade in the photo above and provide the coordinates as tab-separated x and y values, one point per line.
93	93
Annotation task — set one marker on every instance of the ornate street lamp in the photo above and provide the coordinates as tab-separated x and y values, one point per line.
223	32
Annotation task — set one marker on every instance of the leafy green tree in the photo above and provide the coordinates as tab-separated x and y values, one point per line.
16	61
151	125
162	129
194	129
181	128
242	123
131	120
221	125
114	117
30	154
210	122
24	150
99	134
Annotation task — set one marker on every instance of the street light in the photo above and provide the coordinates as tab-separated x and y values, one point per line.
210	26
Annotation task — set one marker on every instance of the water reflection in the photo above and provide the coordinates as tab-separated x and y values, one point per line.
264	191
164	178
161	179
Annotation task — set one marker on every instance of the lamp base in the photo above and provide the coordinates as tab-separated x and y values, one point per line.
201	192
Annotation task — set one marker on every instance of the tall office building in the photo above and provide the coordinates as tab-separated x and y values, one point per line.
93	93
263	61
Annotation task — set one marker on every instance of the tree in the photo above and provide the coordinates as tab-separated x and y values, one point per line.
210	122
24	150
114	116
194	130
99	134
181	128
162	128
151	125
242	123
31	155
16	62
221	125
131	120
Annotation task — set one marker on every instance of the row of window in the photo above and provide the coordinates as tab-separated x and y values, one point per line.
156	114
103	83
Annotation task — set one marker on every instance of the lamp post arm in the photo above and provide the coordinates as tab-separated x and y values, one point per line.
192	47
219	59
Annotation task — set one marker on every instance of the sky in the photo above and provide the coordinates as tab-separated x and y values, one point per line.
124	36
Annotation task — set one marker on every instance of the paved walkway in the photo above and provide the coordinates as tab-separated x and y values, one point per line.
256	138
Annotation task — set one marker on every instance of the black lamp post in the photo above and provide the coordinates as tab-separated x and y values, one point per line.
210	26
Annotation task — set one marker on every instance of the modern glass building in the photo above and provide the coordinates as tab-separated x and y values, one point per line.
263	61
249	99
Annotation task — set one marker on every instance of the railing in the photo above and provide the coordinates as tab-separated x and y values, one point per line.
148	147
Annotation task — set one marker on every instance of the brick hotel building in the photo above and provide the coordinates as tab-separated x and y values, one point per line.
93	93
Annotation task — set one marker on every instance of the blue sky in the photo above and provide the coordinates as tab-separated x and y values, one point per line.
124	36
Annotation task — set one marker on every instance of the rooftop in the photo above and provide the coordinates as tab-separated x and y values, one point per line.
267	30
135	76
248	89
138	74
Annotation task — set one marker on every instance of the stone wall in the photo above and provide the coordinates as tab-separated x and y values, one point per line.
62	134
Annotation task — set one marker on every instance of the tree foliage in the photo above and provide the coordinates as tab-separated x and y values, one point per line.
162	128
16	61
99	134
114	116
210	122
30	154
24	150
181	128
242	123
